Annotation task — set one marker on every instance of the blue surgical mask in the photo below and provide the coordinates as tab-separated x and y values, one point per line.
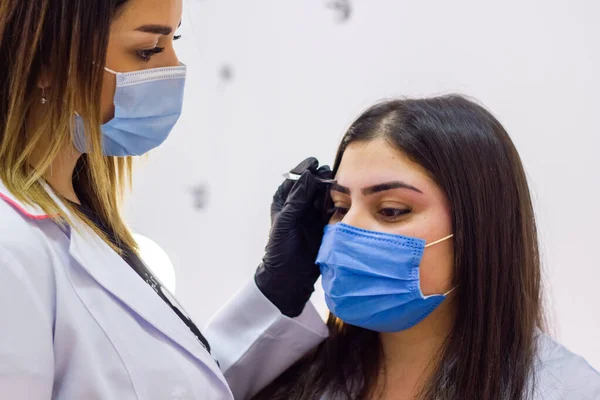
371	279
148	103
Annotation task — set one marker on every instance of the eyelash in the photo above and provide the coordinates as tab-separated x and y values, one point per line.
341	211
146	55
398	212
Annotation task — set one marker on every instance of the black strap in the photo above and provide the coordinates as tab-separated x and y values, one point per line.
134	261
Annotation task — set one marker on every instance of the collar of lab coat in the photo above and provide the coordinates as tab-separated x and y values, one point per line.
111	272
28	210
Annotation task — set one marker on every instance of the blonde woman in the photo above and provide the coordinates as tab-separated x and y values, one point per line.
85	85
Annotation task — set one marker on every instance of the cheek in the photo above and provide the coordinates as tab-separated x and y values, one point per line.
436	269
437	264
108	95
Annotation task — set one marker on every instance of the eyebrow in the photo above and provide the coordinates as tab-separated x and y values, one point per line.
156	29
382	187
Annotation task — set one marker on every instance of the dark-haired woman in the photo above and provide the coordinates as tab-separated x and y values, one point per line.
431	269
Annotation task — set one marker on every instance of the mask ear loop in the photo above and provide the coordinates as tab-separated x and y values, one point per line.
439	241
436	242
450	291
111	71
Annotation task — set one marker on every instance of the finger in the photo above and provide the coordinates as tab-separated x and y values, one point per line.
323	169
280	196
323	195
323	204
302	194
310	164
325	172
283	191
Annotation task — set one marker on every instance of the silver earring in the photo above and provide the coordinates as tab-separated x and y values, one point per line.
44	98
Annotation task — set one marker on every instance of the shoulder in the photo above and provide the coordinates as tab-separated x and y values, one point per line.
29	241
561	374
20	235
28	264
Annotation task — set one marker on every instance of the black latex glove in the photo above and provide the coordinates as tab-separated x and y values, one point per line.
299	213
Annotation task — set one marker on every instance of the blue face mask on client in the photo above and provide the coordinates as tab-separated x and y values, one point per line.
148	103
371	279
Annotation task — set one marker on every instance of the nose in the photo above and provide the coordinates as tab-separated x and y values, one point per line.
171	59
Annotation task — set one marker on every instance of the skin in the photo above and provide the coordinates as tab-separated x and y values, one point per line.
128	50
409	355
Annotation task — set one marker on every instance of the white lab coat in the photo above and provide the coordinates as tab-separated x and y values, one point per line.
78	323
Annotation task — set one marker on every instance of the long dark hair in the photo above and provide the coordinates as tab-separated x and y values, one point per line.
489	353
64	42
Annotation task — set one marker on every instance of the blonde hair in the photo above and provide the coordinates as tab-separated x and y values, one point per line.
44	38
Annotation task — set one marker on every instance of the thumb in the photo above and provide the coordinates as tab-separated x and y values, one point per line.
302	194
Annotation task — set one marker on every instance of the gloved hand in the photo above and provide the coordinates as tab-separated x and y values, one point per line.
299	213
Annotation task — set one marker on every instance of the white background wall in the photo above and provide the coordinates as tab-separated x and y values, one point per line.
300	76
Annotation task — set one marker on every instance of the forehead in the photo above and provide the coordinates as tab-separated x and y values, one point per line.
376	161
149	12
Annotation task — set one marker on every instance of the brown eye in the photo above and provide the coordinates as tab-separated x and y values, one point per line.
339	211
393	213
